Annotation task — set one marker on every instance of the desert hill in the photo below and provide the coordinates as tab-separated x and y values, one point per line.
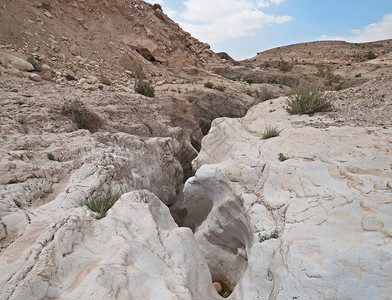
178	190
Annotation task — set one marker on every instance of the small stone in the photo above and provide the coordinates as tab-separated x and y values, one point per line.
45	67
35	77
218	287
46	75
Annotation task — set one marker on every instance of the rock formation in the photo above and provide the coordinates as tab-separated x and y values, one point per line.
313	226
305	215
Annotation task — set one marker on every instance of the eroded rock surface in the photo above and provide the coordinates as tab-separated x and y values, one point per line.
135	252
330	201
81	164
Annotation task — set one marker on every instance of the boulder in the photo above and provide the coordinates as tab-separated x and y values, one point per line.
9	60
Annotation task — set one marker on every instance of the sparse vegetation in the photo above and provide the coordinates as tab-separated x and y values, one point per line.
100	87
249	80
209	85
284	66
193	99
21	120
36	65
270	132
358	75
78	113
20	102
141	86
328	74
156	6
308	98
264	94
100	204
266	237
236	63
149	127
220	88
51	156
105	80
18	203
282	157
371	55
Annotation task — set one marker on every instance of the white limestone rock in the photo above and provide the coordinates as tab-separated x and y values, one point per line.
330	202
135	252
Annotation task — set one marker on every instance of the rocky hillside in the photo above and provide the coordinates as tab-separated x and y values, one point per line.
337	64
99	198
98	37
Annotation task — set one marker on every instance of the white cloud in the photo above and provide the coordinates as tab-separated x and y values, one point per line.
266	3
215	21
371	32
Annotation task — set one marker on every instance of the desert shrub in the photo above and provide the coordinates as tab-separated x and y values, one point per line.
249	80
157	6
141	86
100	204
282	157
328	74
18	203
22	120
36	65
308	98
51	156
284	66
264	94
149	127
324	72
358	75
236	63
371	55
105	80
266	237
270	132
193	99
209	84
220	88
78	113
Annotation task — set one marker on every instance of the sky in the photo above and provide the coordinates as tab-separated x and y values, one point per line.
244	27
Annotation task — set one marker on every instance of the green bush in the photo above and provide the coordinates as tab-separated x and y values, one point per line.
100	204
282	157
141	86
264	94
270	132
266	237
308	98
36	65
51	156
209	84
284	66
77	112
371	55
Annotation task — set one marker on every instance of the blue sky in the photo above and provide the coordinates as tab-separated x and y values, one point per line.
244	27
